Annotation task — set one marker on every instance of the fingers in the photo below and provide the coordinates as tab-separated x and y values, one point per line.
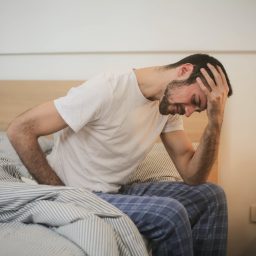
202	86
215	90
219	76
224	80
208	79
216	74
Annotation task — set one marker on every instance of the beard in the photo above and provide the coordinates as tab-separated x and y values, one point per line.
164	104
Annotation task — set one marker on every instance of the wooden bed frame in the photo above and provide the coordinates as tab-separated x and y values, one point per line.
18	96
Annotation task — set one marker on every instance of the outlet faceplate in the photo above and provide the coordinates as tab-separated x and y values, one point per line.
253	213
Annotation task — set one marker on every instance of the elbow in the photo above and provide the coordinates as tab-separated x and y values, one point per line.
195	176
194	180
12	131
17	130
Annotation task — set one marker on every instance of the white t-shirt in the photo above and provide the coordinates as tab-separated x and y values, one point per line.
112	127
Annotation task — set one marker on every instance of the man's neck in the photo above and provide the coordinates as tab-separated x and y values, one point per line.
153	81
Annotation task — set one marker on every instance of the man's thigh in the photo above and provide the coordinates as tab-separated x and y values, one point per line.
184	193
149	213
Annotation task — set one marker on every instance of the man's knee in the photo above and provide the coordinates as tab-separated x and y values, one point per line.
169	216
214	193
167	224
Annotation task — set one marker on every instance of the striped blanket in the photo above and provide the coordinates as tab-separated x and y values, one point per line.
48	220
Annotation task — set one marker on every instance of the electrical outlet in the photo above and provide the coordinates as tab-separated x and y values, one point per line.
253	213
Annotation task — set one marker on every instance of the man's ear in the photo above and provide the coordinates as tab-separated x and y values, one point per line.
185	70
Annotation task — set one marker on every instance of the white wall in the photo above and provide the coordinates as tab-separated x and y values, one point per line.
72	39
135	25
64	39
237	154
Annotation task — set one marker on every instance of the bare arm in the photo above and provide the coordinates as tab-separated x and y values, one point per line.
195	166
23	133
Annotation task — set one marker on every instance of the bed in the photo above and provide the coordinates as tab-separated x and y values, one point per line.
46	220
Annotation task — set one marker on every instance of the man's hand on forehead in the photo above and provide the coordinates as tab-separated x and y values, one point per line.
221	85
217	92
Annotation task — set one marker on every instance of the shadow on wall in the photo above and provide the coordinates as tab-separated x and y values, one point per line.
250	249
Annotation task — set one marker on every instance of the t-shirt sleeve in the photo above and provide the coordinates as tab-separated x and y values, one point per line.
85	103
174	123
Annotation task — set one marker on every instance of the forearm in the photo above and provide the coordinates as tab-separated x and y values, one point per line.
201	162
33	158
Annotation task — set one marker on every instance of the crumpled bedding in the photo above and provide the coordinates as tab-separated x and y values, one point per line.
49	220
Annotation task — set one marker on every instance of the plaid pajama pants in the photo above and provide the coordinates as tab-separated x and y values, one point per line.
176	218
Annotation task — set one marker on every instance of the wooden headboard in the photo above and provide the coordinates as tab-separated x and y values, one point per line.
18	96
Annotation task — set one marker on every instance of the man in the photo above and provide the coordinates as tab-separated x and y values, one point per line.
107	126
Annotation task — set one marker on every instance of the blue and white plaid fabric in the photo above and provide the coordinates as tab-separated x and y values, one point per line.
177	218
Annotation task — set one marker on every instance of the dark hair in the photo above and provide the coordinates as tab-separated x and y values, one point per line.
200	61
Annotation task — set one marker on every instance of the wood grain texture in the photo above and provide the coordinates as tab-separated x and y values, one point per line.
19	96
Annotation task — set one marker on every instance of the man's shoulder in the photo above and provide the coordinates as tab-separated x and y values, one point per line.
118	73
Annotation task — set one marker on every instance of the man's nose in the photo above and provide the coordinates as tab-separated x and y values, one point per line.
189	110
